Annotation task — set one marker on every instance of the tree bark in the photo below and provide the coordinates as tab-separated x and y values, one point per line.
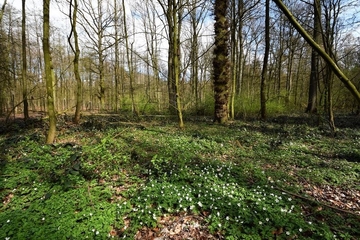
76	50
176	68
130	63
221	65
314	74
117	57
173	11
48	73
265	63
24	62
334	67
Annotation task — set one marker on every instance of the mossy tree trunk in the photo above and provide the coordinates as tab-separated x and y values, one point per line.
221	65
48	73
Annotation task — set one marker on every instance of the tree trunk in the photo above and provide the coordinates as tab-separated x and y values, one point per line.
334	67
2	11
221	65
176	68
314	74
117	61
48	73
173	11
24	62
130	63
76	50
265	63
234	55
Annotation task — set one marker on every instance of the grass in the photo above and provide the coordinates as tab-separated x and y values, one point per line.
248	180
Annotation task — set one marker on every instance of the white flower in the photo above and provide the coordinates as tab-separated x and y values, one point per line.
260	223
8	221
200	204
97	233
7	238
300	229
43	219
287	233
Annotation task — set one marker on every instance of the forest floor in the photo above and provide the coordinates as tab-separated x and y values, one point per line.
118	177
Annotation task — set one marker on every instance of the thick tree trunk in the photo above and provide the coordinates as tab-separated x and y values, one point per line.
221	65
48	73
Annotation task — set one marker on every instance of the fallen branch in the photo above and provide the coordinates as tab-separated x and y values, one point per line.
315	201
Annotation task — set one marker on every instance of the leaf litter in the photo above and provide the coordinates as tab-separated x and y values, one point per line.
178	228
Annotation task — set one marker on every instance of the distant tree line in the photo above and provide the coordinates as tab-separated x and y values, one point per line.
228	58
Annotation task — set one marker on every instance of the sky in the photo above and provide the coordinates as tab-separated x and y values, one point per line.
35	4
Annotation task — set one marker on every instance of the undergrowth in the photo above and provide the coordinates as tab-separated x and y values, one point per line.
104	181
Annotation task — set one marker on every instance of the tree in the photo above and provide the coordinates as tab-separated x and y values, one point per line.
153	41
221	65
265	62
117	53
76	50
243	15
129	63
314	74
48	73
96	21
2	11
327	58
173	11
198	14
24	62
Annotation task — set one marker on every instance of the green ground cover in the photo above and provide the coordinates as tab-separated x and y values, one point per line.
110	178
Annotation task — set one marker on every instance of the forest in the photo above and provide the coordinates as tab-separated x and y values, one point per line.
180	119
